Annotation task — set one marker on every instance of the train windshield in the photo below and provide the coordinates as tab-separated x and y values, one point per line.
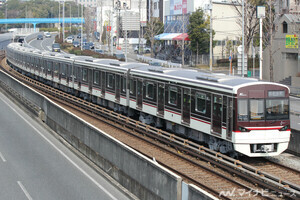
261	109
277	109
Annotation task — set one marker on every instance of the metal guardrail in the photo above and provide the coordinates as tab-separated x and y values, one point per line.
163	63
295	91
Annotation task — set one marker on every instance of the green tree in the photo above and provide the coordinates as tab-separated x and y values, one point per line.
198	31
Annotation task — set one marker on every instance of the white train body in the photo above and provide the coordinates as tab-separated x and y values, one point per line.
230	114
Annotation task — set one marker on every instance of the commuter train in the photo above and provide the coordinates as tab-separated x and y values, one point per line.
230	114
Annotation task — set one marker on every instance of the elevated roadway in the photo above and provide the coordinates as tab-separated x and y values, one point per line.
35	165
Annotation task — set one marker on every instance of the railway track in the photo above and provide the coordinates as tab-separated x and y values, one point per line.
219	174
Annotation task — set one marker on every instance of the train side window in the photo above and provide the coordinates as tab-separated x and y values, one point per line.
110	81
84	74
96	77
200	102
123	84
49	66
132	87
243	110
173	95
56	67
63	69
150	90
257	109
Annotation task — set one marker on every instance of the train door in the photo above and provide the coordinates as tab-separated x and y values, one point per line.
139	95
118	86
161	99
103	75
229	118
186	105
217	114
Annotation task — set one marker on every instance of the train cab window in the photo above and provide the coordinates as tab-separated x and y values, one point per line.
84	74
200	102
132	86
243	110
110	81
257	109
96	77
123	84
173	95
150	90
277	109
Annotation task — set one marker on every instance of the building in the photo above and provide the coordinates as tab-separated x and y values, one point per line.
225	22
113	15
2	2
227	30
285	50
287	7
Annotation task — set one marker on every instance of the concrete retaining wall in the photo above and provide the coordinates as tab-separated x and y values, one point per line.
140	175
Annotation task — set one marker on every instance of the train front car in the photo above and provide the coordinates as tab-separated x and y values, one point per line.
262	125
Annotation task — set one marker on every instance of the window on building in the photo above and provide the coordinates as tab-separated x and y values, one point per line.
291	56
155	6
284	27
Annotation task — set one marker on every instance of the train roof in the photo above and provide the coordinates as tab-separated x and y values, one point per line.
195	75
197	78
185	76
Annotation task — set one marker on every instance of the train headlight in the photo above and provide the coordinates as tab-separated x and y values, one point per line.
286	127
242	129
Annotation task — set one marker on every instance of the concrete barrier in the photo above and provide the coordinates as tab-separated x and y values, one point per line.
142	176
196	193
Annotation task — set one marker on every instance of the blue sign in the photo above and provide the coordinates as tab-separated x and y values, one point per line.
229	57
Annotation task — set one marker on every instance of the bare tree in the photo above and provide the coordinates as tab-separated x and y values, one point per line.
251	22
154	27
88	22
269	26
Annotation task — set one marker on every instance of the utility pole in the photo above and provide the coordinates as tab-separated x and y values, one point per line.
140	27
243	38
182	45
70	18
6	15
260	10
210	37
59	18
81	38
63	20
125	20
